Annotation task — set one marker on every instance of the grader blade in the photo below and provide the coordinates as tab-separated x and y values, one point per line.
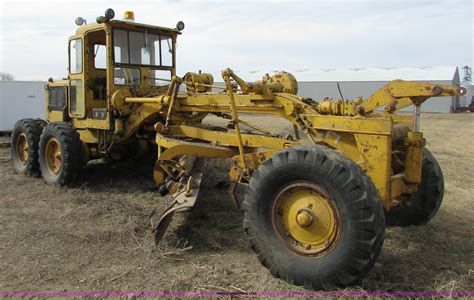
181	201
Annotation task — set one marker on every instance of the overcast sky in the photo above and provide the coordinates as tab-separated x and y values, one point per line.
253	36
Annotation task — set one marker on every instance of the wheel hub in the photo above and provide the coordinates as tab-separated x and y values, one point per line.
22	149
305	217
53	157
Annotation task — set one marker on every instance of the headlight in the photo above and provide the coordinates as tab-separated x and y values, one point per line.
180	25
80	21
109	14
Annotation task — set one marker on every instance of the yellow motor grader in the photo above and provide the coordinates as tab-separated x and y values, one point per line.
315	205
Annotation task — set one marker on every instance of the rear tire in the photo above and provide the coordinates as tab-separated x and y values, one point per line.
342	240
425	203
60	153
24	146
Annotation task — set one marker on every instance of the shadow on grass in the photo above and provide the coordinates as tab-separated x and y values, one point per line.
125	177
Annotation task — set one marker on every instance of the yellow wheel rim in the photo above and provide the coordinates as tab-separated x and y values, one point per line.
53	156
22	148
305	218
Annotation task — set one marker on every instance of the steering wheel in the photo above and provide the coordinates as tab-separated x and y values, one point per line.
129	80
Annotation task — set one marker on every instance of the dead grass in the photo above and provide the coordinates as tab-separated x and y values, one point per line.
96	234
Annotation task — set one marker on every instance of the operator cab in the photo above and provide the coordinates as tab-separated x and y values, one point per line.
142	50
109	57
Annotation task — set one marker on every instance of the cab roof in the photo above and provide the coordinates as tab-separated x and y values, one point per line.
123	24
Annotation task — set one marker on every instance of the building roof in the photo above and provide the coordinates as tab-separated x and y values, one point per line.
429	73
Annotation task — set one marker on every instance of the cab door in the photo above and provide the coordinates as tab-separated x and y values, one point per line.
95	79
77	108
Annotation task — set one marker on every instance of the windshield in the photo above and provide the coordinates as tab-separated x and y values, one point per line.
142	48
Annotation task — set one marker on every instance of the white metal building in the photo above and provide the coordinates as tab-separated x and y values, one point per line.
364	82
19	100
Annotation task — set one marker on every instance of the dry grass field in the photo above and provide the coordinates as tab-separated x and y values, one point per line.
96	234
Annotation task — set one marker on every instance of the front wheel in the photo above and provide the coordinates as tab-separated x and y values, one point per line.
60	153
314	218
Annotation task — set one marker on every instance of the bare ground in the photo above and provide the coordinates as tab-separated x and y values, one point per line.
96	235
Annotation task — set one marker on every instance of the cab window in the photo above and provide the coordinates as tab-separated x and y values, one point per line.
142	48
100	58
126	76
159	78
75	56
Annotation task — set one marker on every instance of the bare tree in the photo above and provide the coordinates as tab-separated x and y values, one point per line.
6	76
